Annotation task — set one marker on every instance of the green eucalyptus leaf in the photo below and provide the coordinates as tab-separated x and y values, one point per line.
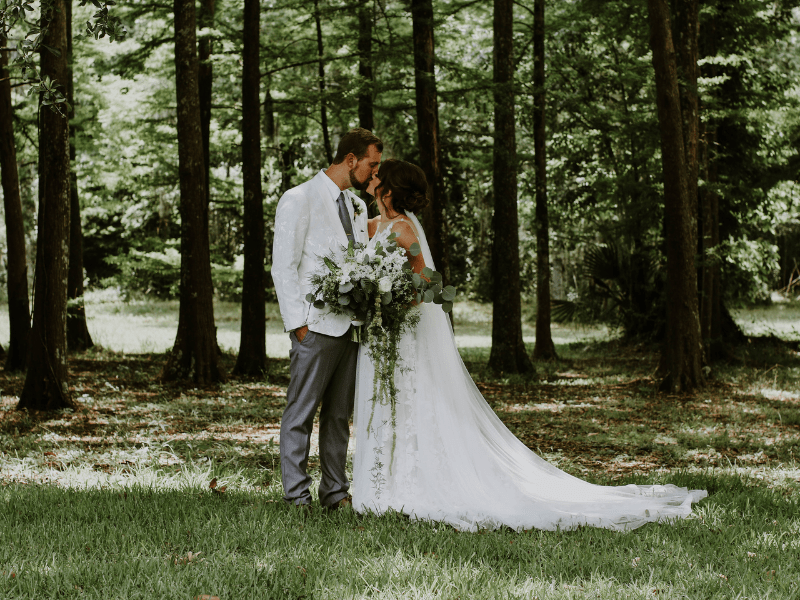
319	304
416	280
386	298
344	300
428	296
345	287
310	298
436	277
427	272
447	306
449	293
414	250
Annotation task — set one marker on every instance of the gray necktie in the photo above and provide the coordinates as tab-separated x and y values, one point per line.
344	216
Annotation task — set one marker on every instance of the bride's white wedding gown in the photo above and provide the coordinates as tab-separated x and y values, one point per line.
454	461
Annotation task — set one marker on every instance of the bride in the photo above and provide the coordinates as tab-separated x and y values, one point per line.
448	457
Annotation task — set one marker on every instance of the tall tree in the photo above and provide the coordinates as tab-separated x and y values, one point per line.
508	353
78	336
681	359
252	357
708	204
323	104
205	81
544	347
16	264
46	380
195	353
430	150
366	116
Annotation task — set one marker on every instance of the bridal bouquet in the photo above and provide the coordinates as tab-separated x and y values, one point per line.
377	287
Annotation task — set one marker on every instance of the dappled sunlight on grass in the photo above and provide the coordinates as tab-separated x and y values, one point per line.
781	319
122	486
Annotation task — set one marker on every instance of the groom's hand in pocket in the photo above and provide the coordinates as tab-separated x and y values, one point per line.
301	333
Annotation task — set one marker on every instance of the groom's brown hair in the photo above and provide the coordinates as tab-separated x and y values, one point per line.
356	141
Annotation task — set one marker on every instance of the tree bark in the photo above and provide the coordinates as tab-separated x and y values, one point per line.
687	29
195	353
543	349
45	385
205	79
366	116
16	263
508	353
430	151
711	308
323	106
252	359
682	355
78	336
270	129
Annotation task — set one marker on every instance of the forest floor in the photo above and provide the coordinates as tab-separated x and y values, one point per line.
114	500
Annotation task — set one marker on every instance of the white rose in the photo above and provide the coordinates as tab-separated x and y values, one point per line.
385	285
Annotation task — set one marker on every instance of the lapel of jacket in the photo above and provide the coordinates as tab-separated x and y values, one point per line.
331	209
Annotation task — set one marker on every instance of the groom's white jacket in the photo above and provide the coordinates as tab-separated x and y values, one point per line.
307	227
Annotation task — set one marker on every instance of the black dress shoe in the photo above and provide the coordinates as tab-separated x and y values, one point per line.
345	502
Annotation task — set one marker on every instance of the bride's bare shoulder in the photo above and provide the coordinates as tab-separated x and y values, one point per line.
406	234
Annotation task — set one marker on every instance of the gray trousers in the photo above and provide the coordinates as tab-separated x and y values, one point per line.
323	372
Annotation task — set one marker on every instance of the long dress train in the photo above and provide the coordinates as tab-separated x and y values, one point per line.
454	461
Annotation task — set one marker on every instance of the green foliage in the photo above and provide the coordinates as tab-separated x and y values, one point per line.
604	162
159	274
14	15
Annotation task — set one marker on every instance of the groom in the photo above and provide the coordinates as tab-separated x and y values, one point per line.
316	219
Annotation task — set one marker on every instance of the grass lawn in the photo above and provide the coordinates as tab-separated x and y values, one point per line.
114	500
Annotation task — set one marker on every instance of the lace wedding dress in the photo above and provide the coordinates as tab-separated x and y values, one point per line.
454	461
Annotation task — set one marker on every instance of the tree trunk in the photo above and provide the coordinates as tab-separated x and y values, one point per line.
323	107
543	349
46	380
430	151
78	336
508	353
682	355
687	28
252	359
16	264
270	131
205	79
195	354
366	117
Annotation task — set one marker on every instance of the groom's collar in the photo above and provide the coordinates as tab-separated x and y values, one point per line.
333	189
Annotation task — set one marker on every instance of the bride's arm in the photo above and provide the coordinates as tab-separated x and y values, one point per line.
405	238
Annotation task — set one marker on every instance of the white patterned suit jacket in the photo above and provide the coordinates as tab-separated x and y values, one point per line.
307	227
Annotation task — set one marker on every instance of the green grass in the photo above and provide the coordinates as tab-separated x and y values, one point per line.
147	326
175	538
781	319
113	500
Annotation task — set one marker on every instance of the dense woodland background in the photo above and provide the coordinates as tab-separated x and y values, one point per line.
567	98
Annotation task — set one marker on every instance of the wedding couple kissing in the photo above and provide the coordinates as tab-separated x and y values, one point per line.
436	451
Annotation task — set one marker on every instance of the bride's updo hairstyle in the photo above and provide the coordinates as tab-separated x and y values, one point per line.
407	184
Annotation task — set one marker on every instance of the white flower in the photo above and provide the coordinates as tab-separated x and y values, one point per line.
385	284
